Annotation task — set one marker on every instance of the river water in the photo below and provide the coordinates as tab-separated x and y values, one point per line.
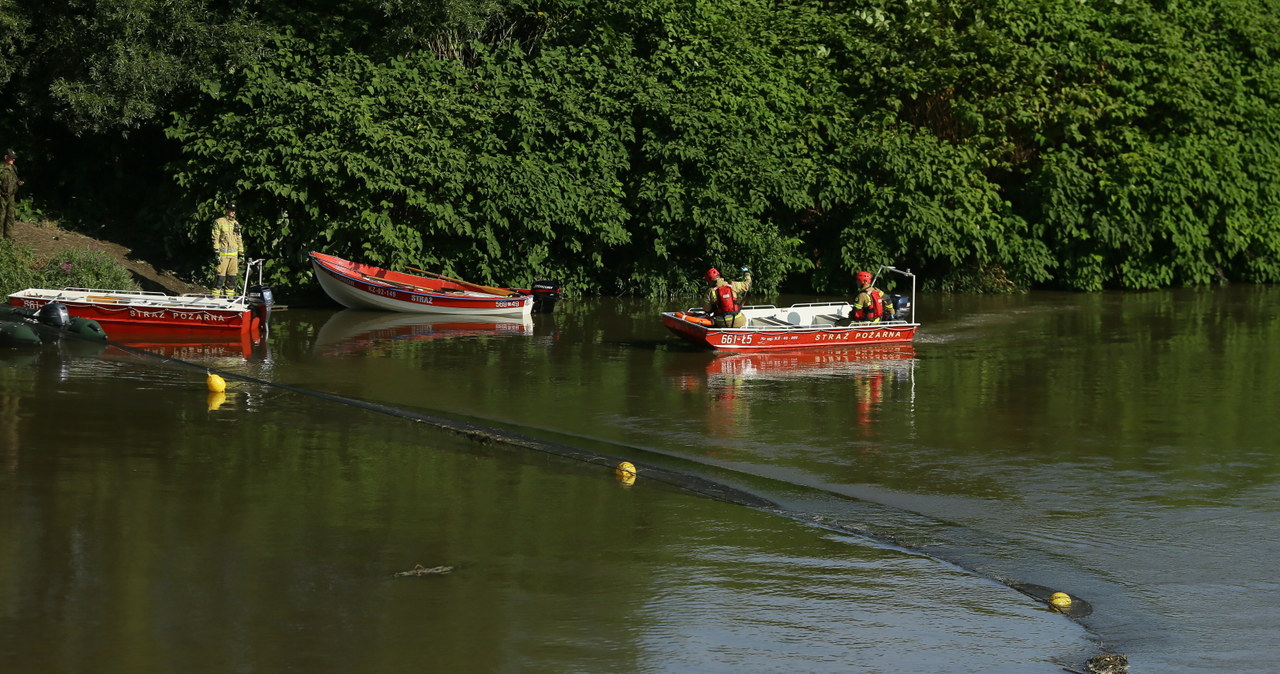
873	510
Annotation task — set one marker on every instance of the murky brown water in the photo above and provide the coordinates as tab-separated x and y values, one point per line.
1116	446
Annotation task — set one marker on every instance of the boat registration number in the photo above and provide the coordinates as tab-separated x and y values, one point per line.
736	339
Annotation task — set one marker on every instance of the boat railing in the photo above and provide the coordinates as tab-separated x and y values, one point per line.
253	263
757	323
103	291
749	306
820	304
808	318
901	272
139	298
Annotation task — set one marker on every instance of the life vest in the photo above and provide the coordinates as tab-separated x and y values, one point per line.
693	319
875	311
725	302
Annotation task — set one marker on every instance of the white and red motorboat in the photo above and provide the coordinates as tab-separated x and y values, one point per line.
363	286
130	312
799	326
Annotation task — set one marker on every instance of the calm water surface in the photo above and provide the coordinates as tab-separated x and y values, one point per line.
1119	447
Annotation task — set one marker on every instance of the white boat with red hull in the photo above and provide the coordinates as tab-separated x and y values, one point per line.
799	326
363	286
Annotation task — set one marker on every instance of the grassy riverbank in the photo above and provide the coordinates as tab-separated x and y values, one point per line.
43	255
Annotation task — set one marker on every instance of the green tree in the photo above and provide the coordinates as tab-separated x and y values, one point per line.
626	146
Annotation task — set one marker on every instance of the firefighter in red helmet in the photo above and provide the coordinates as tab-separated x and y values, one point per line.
724	299
869	305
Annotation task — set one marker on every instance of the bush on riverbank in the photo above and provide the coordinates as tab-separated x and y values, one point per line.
624	147
21	269
17	267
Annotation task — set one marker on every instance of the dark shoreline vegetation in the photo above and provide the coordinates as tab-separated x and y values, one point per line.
624	147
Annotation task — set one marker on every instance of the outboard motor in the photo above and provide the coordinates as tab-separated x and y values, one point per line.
901	307
261	299
262	295
545	296
54	315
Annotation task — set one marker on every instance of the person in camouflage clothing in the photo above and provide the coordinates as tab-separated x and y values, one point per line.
9	184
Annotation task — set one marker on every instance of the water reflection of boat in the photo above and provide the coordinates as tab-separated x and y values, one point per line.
191	346
354	330
866	372
787	364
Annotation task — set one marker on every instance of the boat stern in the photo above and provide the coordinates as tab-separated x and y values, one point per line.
686	328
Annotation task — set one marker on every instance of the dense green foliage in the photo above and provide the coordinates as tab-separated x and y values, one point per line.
16	267
20	268
623	147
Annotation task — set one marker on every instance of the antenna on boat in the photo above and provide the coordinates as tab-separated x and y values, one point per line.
885	267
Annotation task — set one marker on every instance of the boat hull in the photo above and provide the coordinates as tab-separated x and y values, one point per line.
121	311
357	286
808	326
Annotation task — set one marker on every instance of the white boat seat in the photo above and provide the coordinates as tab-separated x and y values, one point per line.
770	321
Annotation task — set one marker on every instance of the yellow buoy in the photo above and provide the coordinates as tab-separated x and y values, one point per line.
215	400
1060	599
626	473
215	383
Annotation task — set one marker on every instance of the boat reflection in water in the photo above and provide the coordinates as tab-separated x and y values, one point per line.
868	372
190	345
814	363
355	331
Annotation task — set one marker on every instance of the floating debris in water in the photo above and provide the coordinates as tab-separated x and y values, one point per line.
420	570
1108	663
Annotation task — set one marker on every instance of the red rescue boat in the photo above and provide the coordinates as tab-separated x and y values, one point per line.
799	326
121	312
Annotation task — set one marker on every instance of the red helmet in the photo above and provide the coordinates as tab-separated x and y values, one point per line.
713	274
863	277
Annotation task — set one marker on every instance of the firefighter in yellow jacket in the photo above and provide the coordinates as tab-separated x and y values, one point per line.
870	304
228	246
724	299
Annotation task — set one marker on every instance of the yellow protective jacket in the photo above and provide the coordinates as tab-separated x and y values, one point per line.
226	236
